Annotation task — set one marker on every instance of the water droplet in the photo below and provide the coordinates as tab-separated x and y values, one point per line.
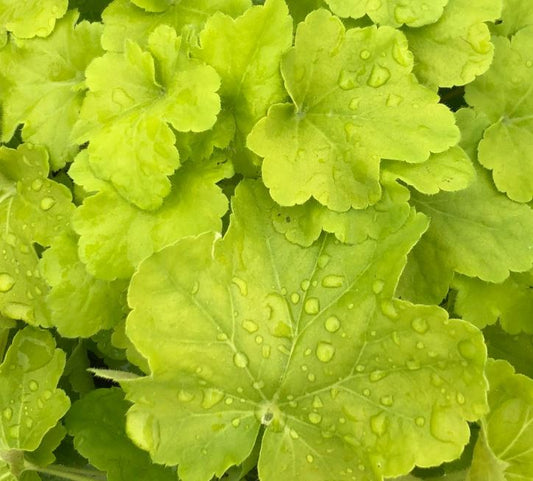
333	393
311	377
293	434
305	285
317	403
13	431
396	338
47	203
211	397
258	339
282	329
229	401
332	324
332	281
242	286
365	54
347	80
284	350
7	413
222	337
460	398
419	325
185	396
258	385
312	306
265	352
387	400
387	307
240	360
420	421
359	368
467	349
309	458
441	426
378	77
378	424
236	422
325	351
314	418
529	63
6	282
250	326
47	394
29	422
33	385
354	103
366	392
295	298
401	54
323	260
394	100
420	345
412	364
377	286
377	375
37	185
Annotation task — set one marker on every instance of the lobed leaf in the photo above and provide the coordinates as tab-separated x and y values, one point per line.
31	18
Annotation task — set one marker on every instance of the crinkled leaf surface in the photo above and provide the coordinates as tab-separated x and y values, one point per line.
32	209
44	454
45	85
115	235
458	48
510	302
124	19
126	116
449	171
504	94
477	232
320	354
246	53
80	305
413	13
504	451
31	403
29	18
355	101
97	423
303	224
516	14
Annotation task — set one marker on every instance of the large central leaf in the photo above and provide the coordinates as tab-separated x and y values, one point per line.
252	331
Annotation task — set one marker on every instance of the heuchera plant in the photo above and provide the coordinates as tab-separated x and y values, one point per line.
287	240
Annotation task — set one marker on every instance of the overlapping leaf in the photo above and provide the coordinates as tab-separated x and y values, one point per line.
33	209
141	23
458	48
355	101
97	423
504	451
504	95
413	13
320	355
516	14
126	116
29	18
79	304
45	85
246	53
115	235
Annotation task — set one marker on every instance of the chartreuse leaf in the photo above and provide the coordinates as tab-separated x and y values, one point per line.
319	356
124	19
31	403
458	48
44	454
303	224
45	86
97	422
507	145
33	209
115	235
516	15
449	171
79	304
246	53
126	116
413	13
477	232
299	9
504	449
355	101
29	18
510	302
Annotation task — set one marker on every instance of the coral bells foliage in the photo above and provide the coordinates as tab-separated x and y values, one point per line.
272	240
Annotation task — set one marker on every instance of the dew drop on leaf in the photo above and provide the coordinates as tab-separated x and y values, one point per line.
354	103
379	76
47	203
467	349
241	285
37	185
310	458
420	421
7	414
364	54
378	424
386	400
258	339
266	351
325	351
236	422
387	307
250	326
366	392
13	431
346	80
377	375
295	298
33	385
394	100
412	365
293	434
185	396
312	306
240	360
314	418
311	377
305	285
6	282
377	286
419	325
28	422
332	281
211	397
317	403
460	398
332	324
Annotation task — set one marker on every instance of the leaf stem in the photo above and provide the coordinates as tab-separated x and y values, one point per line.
64	472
